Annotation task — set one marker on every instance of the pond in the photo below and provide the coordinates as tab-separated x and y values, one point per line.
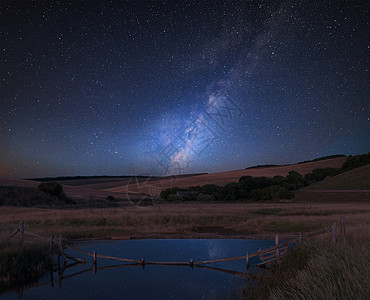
150	281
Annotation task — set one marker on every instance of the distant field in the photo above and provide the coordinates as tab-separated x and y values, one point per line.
134	188
332	196
77	191
313	207
356	179
155	186
108	183
187	220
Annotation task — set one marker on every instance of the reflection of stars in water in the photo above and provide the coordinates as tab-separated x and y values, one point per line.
215	250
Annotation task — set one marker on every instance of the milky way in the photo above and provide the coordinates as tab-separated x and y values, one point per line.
169	87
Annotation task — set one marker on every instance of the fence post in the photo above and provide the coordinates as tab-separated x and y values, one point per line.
61	249
94	257
343	228
247	260
300	238
333	232
21	231
276	244
51	244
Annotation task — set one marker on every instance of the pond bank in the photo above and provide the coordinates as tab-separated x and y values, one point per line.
336	272
22	264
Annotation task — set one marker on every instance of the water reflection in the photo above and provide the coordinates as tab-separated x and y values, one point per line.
115	280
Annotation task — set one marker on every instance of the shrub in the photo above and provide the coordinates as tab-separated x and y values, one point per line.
293	180
320	174
355	162
51	188
230	192
209	189
277	180
174	198
261	194
110	198
284	193
167	192
204	198
24	196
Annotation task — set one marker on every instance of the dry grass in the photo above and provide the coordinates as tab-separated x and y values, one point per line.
321	272
129	188
155	186
356	179
22	264
184	220
318	269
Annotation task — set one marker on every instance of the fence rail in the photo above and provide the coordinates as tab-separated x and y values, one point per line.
267	256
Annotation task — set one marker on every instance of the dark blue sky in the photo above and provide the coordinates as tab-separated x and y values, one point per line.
158	87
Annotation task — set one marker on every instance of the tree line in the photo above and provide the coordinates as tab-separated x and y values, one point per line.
260	188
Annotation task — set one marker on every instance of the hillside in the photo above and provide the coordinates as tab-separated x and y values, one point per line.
356	179
154	187
80	192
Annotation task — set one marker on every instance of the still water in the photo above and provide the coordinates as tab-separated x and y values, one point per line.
152	281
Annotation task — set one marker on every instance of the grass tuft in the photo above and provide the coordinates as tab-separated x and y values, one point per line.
325	272
21	264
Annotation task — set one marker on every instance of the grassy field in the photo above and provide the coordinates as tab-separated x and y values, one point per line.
314	208
185	220
22	264
134	188
154	186
317	272
356	179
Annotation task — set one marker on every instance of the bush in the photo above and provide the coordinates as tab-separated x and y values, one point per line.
284	193
54	190
320	174
277	180
51	188
293	181
355	162
230	192
209	189
167	192
110	198
261	194
204	198
26	196
174	198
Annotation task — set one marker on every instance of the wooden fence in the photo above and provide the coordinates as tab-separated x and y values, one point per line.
268	256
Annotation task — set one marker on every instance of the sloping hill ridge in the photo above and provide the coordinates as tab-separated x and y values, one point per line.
154	187
356	179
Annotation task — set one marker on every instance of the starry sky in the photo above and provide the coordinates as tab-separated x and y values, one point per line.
170	87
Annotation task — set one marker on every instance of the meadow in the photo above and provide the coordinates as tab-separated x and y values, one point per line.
314	208
190	220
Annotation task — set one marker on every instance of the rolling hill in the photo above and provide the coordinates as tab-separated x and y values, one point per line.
154	187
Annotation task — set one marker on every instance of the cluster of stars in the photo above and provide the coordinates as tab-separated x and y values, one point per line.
103	87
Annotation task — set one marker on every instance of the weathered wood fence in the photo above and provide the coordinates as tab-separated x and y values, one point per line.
268	256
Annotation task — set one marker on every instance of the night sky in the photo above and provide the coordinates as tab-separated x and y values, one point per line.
168	87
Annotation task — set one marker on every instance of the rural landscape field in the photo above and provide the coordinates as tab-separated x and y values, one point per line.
184	149
111	209
137	213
